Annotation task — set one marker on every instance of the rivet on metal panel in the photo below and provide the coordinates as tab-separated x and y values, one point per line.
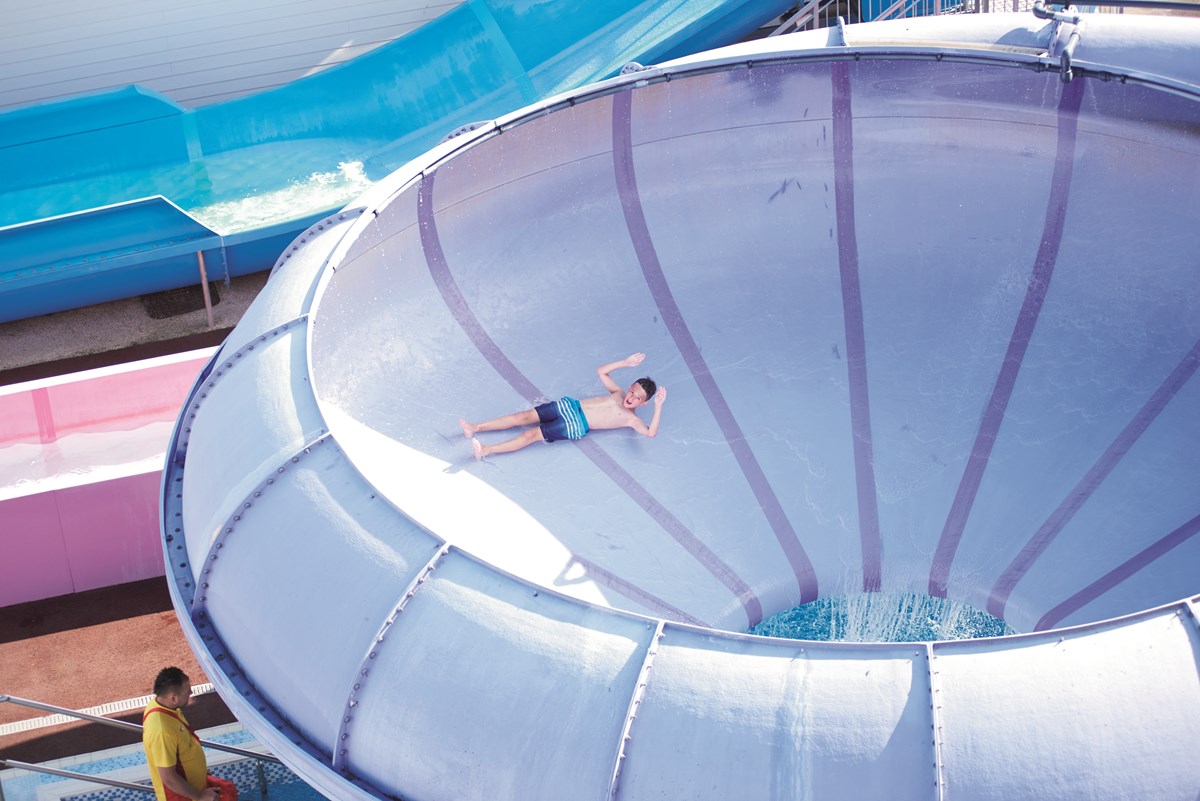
237	518
346	720
352	705
372	655
204	586
356	686
280	471
257	493
220	545
295	459
246	505
270	481
229	531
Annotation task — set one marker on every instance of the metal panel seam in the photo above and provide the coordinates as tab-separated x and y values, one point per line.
221	365
935	715
635	700
210	558
313	231
1190	605
341	746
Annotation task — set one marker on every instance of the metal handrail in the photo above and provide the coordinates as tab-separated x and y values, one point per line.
121	724
66	774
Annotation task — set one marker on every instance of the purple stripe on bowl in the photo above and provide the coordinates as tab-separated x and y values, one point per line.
618	584
1118	574
1095	476
643	245
439	269
1035	296
856	339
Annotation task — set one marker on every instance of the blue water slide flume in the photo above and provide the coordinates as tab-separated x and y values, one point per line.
930	323
262	168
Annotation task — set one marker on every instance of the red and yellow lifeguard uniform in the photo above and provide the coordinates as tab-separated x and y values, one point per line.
170	742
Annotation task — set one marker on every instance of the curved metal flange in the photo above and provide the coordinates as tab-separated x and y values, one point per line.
341	745
220	365
204	578
312	232
635	700
199	631
263	708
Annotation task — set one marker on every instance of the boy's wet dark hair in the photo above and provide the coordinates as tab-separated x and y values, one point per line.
169	679
648	385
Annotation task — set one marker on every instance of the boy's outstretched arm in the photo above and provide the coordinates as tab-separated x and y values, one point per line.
652	429
633	360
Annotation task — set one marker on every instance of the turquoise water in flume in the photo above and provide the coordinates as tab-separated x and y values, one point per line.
882	617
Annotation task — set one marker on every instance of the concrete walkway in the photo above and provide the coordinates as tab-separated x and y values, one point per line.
89	649
117	332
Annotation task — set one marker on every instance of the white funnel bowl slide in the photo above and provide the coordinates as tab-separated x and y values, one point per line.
929	317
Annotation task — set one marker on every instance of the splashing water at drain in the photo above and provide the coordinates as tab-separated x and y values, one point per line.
882	617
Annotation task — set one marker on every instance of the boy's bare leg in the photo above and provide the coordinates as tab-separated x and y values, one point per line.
526	437
524	418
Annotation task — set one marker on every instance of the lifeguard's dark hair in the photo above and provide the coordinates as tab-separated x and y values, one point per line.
648	385
168	680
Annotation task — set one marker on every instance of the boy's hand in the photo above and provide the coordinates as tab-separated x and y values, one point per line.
660	396
635	359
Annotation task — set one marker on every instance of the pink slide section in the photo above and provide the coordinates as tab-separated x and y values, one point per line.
80	463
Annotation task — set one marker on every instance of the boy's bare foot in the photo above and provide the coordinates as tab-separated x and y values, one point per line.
468	429
478	449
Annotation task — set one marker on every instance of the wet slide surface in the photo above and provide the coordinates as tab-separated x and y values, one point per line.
927	324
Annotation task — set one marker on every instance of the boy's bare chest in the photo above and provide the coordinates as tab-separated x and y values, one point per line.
605	412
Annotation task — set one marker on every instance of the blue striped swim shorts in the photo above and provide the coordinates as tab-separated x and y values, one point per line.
562	419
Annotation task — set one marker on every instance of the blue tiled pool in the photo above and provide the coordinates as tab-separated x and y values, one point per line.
129	764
